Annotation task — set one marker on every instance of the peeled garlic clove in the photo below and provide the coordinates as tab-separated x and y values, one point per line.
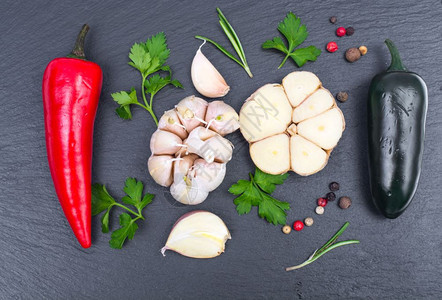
221	118
206	78
160	168
211	174
209	145
164	142
188	190
198	234
191	111
170	122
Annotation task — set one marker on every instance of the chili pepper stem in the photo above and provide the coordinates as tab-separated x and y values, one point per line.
396	61
78	51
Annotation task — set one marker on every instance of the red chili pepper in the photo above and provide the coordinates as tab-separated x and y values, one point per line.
71	90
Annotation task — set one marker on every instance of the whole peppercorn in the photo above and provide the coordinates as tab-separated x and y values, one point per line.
333	186
350	31
332	47
341	31
319	210
331	196
333	19
342	96
286	229
363	50
352	54
298	225
322	202
344	202
308	221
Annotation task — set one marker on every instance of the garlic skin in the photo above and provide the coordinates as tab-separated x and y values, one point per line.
170	122
188	190
198	234
206	78
221	118
160	168
191	111
210	174
209	145
164	142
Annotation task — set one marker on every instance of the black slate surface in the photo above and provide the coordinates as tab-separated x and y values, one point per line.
39	257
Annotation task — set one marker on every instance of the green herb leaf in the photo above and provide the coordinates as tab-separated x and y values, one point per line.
256	193
140	58
234	41
101	200
134	191
330	245
295	34
125	99
127	230
302	55
147	199
148	58
105	221
268	182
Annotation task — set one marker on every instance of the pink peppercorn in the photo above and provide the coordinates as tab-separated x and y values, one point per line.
332	47
322	202
341	31
298	225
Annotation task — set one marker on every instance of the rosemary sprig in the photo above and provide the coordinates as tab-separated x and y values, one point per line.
234	40
330	245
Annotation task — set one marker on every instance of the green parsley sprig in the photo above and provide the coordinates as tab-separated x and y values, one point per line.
103	201
256	192
295	33
330	245
234	40
148	58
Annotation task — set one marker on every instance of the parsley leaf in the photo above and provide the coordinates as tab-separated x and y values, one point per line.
127	230
102	200
148	58
295	34
256	193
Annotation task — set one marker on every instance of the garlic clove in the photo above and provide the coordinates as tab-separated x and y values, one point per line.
206	78
160	168
209	145
198	234
170	122
164	142
182	165
191	111
221	118
210	174
188	190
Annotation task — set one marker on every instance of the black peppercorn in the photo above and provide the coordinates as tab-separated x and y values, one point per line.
350	31
342	96
333	20
331	196
334	186
344	202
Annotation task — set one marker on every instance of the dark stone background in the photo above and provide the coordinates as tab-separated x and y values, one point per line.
39	257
